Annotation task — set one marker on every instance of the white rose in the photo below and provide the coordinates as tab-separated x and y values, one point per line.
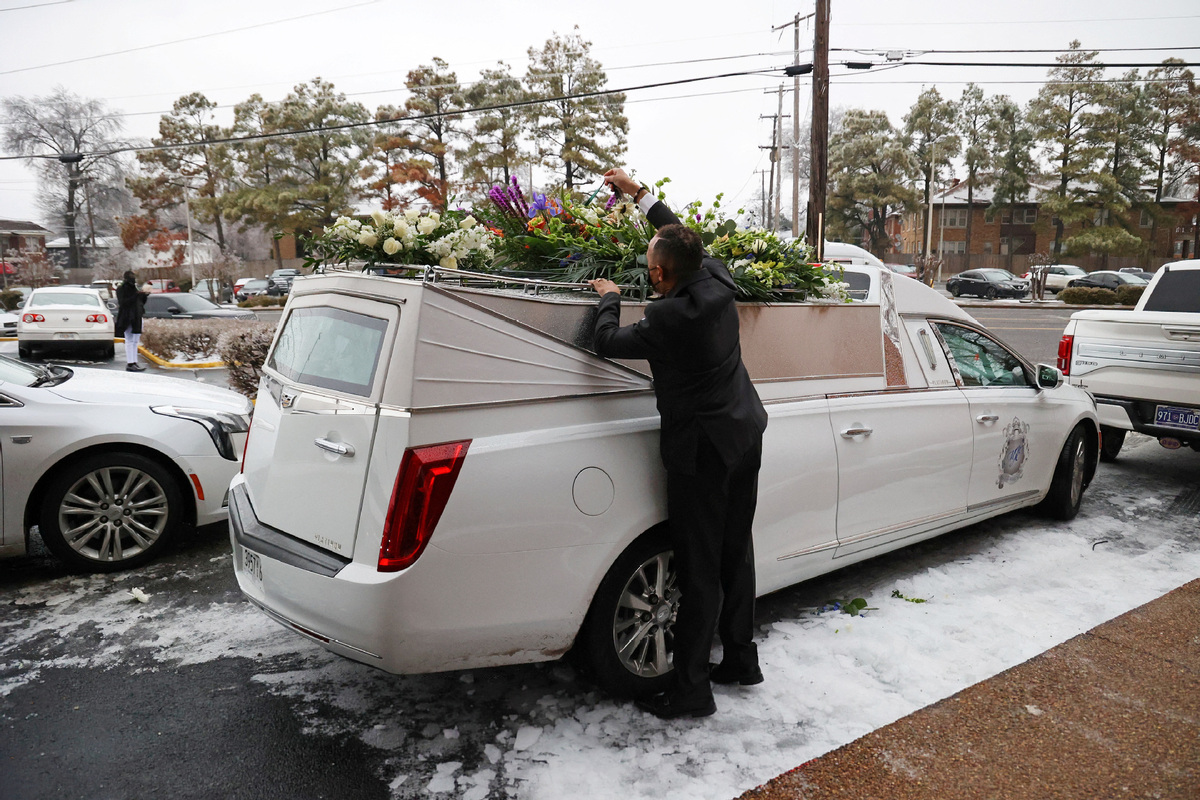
391	246
758	245
426	225
469	222
368	238
378	216
436	217
411	214
400	229
449	262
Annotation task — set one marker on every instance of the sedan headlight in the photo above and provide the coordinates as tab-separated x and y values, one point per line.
221	425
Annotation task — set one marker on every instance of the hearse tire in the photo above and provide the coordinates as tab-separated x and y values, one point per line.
1111	440
633	607
125	509
24	352
1070	478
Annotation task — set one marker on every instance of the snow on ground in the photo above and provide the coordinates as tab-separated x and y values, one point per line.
995	595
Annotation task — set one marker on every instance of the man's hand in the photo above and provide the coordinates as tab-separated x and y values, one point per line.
603	286
617	179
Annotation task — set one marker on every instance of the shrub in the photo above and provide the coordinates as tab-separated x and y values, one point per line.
183	339
9	299
1088	296
262	300
1129	295
244	350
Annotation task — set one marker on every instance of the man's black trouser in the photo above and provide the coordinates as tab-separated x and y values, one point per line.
711	514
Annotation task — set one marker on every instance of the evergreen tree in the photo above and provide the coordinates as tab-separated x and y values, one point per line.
1119	129
930	133
576	136
430	137
1063	120
972	121
256	199
1013	164
199	176
496	147
383	162
870	171
1171	99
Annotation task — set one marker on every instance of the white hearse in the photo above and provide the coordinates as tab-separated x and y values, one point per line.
443	476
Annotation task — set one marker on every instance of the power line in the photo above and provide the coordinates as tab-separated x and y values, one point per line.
188	38
407	119
924	23
940	51
36	5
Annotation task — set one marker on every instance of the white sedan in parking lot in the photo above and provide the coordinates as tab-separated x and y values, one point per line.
65	317
110	465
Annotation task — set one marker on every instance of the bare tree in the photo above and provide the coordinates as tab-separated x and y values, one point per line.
71	137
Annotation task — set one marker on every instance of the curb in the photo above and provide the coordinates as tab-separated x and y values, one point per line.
158	362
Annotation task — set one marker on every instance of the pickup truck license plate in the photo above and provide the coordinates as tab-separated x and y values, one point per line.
252	565
1186	419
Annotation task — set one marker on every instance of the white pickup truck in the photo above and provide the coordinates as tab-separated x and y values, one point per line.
1142	366
442	475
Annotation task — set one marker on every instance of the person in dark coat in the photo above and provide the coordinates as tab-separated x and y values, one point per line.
712	422
130	303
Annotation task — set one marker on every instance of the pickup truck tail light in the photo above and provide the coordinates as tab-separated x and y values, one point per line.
423	486
1064	353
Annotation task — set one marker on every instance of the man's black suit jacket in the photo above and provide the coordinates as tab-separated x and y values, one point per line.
690	337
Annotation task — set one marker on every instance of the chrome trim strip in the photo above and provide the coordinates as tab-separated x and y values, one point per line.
894	390
303	631
817	548
1000	501
1154	357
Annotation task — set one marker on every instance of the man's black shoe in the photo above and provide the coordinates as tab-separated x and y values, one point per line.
664	707
134	368
726	673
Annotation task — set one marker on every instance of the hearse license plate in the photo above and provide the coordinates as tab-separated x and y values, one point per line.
1186	419
252	564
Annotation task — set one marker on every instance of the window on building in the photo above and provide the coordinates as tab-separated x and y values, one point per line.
988	248
1100	218
1026	216
954	217
950	248
989	216
1144	220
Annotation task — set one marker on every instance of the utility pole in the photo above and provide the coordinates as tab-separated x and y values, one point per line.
818	184
795	119
779	160
776	161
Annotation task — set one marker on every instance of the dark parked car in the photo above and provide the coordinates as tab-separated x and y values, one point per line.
251	288
190	306
280	281
1108	279
989	283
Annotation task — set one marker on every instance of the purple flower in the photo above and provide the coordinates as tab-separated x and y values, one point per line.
541	203
612	201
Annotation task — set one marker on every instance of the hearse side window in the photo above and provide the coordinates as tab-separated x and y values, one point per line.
330	348
981	361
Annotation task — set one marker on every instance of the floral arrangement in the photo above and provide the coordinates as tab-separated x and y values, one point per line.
453	239
575	242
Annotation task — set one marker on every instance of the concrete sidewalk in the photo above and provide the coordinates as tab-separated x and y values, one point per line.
1114	712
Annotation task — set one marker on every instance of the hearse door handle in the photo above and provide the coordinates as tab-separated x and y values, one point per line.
987	419
850	433
337	448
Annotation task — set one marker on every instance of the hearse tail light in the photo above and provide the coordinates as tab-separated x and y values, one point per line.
1064	353
33	318
423	486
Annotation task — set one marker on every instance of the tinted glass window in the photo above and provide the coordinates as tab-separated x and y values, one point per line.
330	348
981	361
64	299
1177	290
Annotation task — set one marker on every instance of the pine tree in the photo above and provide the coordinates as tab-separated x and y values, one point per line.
1171	100
256	199
430	138
1013	164
1119	129
929	132
1063	119
576	136
870	170
977	155
496	148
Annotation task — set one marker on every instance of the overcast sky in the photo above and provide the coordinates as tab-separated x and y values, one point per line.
139	56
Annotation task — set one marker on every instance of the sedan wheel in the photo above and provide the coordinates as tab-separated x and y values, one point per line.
627	640
110	512
990	293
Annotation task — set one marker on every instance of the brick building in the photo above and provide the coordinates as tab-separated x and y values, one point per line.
1025	229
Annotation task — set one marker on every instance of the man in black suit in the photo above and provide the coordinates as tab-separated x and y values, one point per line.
711	445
